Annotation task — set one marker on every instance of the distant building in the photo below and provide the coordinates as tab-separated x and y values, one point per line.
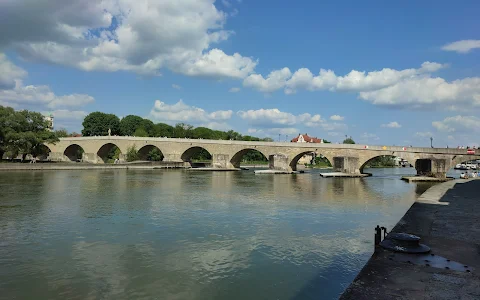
305	138
49	119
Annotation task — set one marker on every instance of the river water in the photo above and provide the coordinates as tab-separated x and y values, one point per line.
177	234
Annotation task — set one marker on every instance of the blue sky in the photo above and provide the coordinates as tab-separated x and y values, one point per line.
392	72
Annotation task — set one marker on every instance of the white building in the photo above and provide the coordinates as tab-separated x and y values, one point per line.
49	119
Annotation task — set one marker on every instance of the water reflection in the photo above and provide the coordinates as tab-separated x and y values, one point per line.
178	234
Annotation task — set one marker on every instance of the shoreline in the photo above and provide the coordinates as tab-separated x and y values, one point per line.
445	217
85	166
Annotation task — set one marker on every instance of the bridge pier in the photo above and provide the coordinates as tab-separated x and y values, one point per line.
221	161
432	167
346	164
279	162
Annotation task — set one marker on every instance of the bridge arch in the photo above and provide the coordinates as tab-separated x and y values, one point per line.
294	161
150	152
109	152
196	152
73	152
458	159
237	157
370	161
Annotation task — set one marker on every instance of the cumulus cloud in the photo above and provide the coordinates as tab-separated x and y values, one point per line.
355	81
337	118
427	92
462	124
267	117
9	73
392	125
181	112
463	46
176	86
274	81
68	115
19	95
128	35
31	95
234	90
274	118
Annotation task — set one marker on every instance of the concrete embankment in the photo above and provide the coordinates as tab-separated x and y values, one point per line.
86	166
447	218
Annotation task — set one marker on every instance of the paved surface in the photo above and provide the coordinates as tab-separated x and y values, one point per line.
447	218
425	179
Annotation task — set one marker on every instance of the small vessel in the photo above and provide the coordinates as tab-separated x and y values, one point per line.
461	167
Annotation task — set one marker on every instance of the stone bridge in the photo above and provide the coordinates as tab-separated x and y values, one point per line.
282	156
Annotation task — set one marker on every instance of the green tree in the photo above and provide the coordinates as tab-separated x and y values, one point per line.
132	154
61	133
24	132
148	126
140	132
183	130
348	140
129	124
328	142
203	133
162	130
267	139
155	155
98	123
7	124
233	135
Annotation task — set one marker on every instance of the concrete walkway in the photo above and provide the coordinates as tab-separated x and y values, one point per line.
447	218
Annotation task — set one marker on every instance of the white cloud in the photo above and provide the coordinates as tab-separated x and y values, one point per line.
226	3
42	96
464	46
274	118
181	112
462	124
9	73
392	125
355	81
337	118
176	86
274	81
427	92
267	117
123	35
216	63
234	90
67	115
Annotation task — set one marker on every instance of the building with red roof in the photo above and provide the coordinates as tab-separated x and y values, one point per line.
305	138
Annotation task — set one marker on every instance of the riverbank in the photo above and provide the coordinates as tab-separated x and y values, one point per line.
447	218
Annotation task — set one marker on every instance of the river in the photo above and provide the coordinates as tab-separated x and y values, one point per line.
177	234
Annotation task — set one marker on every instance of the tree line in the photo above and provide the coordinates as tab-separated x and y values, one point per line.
99	123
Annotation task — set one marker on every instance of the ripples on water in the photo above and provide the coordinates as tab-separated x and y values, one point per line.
190	235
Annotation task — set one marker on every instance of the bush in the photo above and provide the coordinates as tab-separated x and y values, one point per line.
155	155
132	153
